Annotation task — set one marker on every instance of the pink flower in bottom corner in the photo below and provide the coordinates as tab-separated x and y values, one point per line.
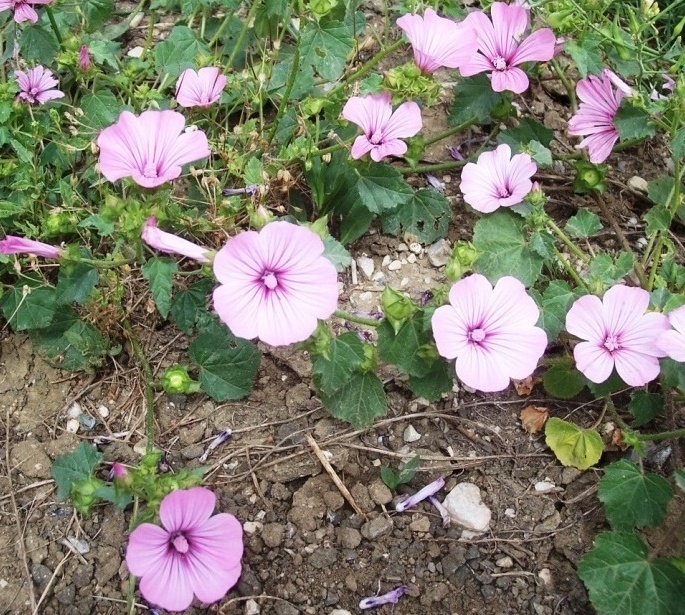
23	11
150	148
437	41
170	243
497	179
490	332
200	88
616	332
672	342
37	85
19	245
600	100
275	284
383	128
193	553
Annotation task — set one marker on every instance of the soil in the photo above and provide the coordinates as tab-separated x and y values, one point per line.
306	549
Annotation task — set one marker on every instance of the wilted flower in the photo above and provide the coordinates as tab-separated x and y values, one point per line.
172	244
275	284
672	342
392	597
497	179
596	113
502	48
192	553
84	58
150	148
490	332
37	85
18	245
429	490
200	88
23	11
437	41
382	128
617	333
668	85
117	472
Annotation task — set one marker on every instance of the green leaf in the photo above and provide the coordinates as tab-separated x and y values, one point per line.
526	131
389	478
660	190
658	219
562	379
678	144
473	96
187	305
74	467
75	283
542	243
97	12
604	269
673	373
159	272
504	249
180	50
438	380
632	122
117	496
380	187
573	445
359	401
27	308
587	55
583	224
555	303
228	365
679	476
325	48
622	578
645	407
540	154
38	44
346	354
402	349
632	499
426	215
100	109
335	252
612	384
356	222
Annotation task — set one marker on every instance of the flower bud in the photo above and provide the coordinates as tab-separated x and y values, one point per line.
397	308
589	177
177	381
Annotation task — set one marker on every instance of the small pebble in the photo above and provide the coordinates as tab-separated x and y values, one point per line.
410	434
103	411
73	425
394	266
416	248
544	486
505	562
75	411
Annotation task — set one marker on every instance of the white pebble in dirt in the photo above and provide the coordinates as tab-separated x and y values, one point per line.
465	506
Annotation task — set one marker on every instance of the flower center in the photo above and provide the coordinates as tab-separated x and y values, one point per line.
499	63
376	137
503	192
150	170
270	280
180	543
476	336
612	343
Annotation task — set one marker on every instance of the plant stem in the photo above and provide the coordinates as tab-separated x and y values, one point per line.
53	25
450	131
568	86
566	241
571	271
107	264
615	415
148	385
360	320
432	168
286	94
663	435
241	36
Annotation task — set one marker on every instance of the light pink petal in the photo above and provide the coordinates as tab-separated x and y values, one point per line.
585	319
475	64
593	361
518	351
672	343
512	79
185	509
676	318
635	368
404	122
510	307
370	112
394	147
361	146
449	332
201	88
23	13
170	243
538	47
479	368
624	306
641	334
209	582
147	548
12	244
43	97
168	585
509	23
599	146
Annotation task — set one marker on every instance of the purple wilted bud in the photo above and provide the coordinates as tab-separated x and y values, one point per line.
220	439
163	464
435	182
84	58
425	297
441	509
391	597
455	153
251	189
117	471
422	494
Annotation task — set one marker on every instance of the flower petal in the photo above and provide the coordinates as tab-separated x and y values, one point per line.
593	361
585	319
148	546
168	585
186	509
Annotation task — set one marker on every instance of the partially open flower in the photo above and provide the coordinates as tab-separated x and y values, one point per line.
392	597
200	88
172	244
19	245
672	342
422	494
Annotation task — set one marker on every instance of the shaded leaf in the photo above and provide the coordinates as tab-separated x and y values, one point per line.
159	272
583	224
74	467
473	96
359	401
644	407
426	215
346	354
573	445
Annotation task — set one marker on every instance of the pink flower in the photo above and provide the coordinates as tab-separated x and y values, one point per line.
199	89
37	85
490	332
275	284
150	148
84	58
501	48
18	245
172	244
668	85
672	342
617	333
422	494
192	553
437	41
382	128
23	11
497	179
596	113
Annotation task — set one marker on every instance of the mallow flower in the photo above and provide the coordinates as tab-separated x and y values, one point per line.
37	85
672	342
22	9
616	332
383	129
170	243
497	179
600	99
490	332
150	148
193	553
437	42
502	46
426	492
200	88
12	244
275	284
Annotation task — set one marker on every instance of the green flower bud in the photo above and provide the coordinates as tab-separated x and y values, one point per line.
370	361
461	262
319	342
428	352
397	307
560	19
589	177
177	381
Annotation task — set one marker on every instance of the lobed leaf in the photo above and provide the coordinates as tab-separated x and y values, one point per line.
573	445
74	467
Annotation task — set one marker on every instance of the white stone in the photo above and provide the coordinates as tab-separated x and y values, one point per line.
402	247
404	282
439	253
505	562
339	612
81	546
386	260
75	411
251	527
416	248
410	434
510	512
544	486
466	507
140	448
73	425
366	266
135	52
252	608
103	411
545	576
638	183
411	258
394	266
3	583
